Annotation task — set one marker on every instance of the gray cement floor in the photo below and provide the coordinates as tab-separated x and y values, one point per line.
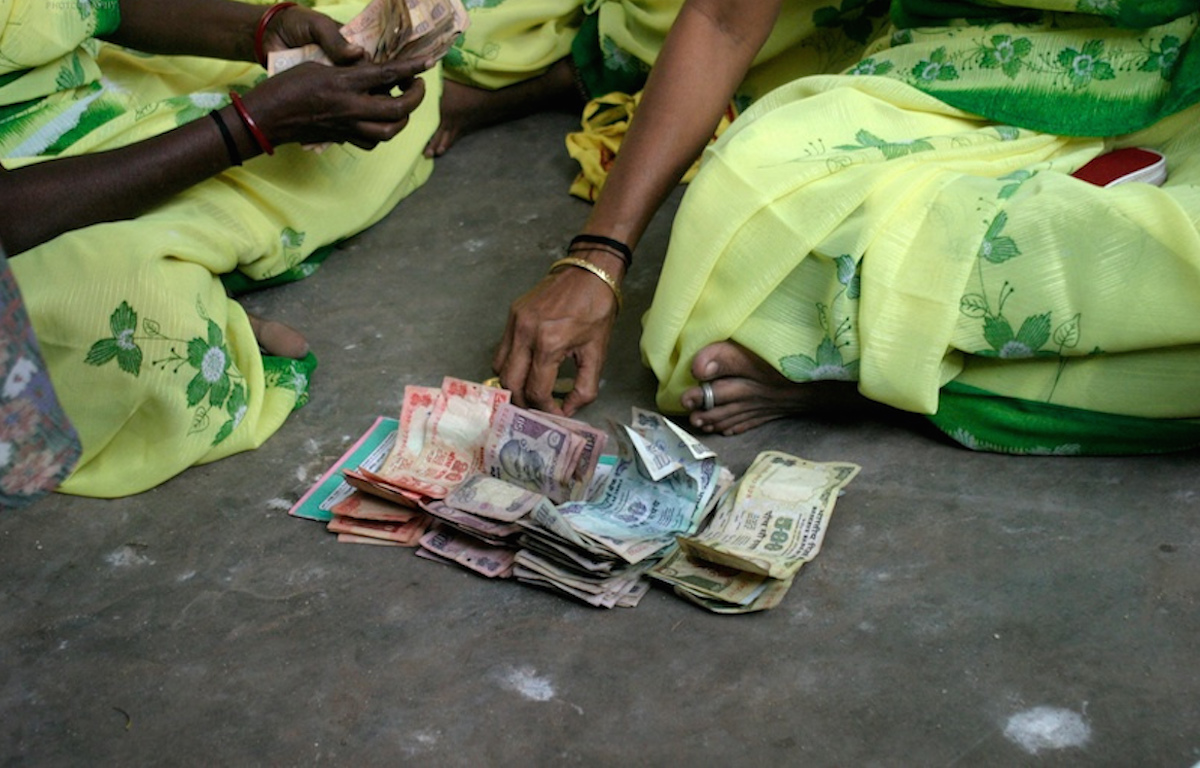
966	609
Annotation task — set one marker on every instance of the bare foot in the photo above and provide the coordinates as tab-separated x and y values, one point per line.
278	340
465	108
748	392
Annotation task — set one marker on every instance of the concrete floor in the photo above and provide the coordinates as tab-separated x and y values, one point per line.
966	609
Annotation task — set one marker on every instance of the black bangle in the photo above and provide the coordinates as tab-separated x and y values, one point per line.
622	251
235	156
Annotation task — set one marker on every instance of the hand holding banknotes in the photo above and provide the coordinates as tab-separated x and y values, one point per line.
314	104
297	27
392	40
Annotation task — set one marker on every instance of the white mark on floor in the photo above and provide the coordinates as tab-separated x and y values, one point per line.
1043	728
526	682
428	738
280	504
186	576
301	473
421	741
125	557
312	446
475	245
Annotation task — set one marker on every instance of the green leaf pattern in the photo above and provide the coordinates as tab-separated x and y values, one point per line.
890	149
215	386
827	362
1036	335
1075	68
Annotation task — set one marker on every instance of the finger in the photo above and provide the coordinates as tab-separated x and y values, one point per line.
502	351
514	371
368	134
587	381
340	51
539	384
397	71
380	106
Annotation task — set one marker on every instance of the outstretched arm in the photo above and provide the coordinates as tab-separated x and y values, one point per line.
570	313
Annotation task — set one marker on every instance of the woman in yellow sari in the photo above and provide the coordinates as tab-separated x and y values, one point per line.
913	227
522	56
134	181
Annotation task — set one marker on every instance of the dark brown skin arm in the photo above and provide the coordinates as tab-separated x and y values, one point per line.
309	104
114	185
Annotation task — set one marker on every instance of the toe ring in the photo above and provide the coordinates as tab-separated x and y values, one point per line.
709	399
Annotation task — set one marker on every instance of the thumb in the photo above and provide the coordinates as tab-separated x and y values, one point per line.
340	51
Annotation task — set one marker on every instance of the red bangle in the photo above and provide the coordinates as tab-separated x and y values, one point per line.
261	138
261	30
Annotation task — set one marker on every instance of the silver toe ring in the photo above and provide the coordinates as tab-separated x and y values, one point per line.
709	400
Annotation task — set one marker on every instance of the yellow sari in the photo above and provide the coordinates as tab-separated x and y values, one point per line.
861	228
155	365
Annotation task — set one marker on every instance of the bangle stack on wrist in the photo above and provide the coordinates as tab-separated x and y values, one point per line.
260	53
260	138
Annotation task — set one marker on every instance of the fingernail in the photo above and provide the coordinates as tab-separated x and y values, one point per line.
711	369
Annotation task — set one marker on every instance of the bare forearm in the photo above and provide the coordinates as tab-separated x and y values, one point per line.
703	61
217	29
42	201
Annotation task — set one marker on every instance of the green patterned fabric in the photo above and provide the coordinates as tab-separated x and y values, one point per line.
1070	67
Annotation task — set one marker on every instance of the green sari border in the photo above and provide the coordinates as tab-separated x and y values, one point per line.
986	421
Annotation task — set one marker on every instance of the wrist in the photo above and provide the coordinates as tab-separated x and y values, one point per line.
596	270
259	141
263	27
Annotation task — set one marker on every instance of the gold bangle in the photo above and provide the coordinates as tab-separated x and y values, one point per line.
599	272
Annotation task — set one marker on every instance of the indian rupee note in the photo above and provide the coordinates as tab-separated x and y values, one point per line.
493	562
488	497
776	519
532	452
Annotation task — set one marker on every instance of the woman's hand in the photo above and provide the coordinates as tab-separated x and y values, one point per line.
569	314
315	103
298	26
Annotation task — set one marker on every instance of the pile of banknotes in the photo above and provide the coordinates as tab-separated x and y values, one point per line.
390	29
468	478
